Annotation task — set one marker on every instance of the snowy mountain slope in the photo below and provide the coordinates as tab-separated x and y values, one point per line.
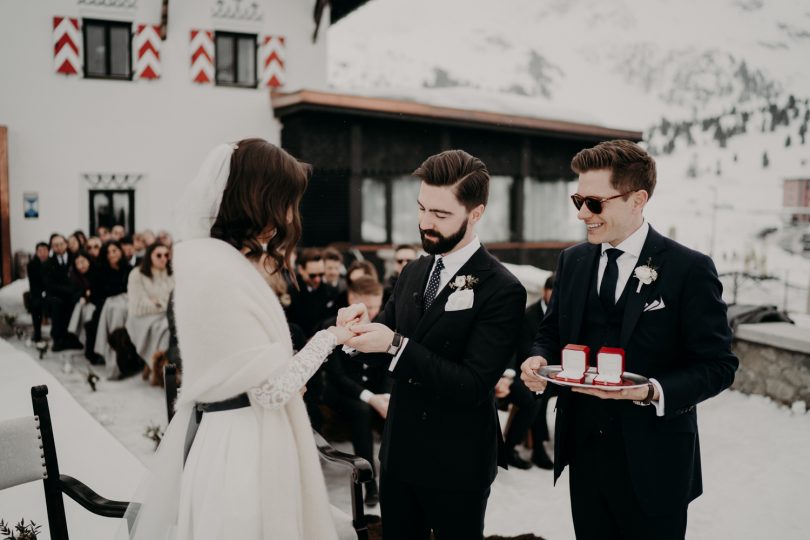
627	62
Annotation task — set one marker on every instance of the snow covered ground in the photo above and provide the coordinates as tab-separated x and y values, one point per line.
754	457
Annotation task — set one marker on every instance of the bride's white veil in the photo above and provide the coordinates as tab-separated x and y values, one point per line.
153	513
198	206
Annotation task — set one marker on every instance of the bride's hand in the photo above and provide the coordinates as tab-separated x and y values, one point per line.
342	333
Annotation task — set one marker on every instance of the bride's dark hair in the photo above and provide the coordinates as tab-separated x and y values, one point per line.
264	184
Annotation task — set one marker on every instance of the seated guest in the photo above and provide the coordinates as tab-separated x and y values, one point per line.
139	245
358	391
149	288
74	245
93	247
149	237
361	268
113	276
165	238
356	270
104	234
59	296
118	232
333	269
36	288
81	237
403	254
83	277
314	300
128	246
113	270
531	409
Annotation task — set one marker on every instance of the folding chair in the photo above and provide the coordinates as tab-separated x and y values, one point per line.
28	455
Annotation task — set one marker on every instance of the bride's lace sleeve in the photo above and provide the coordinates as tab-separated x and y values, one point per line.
274	393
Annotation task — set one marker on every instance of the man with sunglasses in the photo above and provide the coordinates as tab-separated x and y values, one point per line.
633	455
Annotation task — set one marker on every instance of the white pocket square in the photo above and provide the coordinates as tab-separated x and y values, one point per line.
460	300
655	305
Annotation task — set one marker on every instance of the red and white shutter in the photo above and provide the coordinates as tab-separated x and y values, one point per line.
273	60
146	45
67	59
202	56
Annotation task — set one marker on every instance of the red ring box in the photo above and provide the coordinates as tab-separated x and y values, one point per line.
574	363
609	367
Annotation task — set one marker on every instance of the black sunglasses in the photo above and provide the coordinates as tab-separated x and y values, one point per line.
319	276
403	261
594	204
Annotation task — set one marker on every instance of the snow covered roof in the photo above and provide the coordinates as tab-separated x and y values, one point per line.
286	103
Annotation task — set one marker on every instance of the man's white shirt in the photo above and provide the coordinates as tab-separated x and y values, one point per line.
452	264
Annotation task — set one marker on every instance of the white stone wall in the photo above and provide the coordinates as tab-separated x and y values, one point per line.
61	127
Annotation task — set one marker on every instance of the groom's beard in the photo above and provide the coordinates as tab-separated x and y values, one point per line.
444	243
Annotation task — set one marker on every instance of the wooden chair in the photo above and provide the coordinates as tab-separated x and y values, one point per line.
29	455
361	469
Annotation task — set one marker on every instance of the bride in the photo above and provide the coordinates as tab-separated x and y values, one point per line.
239	460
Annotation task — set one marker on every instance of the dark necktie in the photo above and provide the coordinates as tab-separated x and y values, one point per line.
607	290
433	283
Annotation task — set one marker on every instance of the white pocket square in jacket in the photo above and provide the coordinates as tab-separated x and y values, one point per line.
461	299
655	305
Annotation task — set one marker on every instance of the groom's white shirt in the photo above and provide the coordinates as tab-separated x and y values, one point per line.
452	264
631	246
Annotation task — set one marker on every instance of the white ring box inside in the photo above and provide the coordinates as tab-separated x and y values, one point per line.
609	367
574	363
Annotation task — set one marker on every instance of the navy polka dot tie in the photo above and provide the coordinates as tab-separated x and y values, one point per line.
433	283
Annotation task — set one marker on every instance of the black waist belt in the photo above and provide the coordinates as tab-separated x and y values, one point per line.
237	402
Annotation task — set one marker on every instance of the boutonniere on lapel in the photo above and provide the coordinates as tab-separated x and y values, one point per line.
463	295
645	274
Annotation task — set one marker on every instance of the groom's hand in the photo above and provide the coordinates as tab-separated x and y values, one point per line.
371	337
528	373
354	314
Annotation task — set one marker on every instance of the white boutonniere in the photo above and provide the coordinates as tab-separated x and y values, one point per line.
645	274
461	283
463	296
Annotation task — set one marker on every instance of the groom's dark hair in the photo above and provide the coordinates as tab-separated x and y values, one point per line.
632	168
264	184
467	175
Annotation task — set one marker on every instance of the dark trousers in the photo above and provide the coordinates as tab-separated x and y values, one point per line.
60	310
409	512
361	417
604	503
531	413
36	319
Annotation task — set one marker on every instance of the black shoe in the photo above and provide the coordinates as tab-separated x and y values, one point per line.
59	345
540	459
372	495
514	460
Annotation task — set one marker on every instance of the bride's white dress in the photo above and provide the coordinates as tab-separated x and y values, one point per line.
252	473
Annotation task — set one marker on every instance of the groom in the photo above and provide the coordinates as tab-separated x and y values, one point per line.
448	331
633	455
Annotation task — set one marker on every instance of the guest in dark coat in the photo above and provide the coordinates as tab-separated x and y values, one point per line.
59	294
36	288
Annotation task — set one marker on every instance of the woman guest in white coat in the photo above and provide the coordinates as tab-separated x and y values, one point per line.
252	470
148	290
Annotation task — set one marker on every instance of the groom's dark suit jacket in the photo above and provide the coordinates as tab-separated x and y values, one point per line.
686	347
442	427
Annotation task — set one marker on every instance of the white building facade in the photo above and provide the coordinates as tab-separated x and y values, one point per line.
107	119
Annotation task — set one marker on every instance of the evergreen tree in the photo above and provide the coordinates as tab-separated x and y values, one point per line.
765	160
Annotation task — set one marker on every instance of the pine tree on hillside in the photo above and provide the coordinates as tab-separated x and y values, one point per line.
765	160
